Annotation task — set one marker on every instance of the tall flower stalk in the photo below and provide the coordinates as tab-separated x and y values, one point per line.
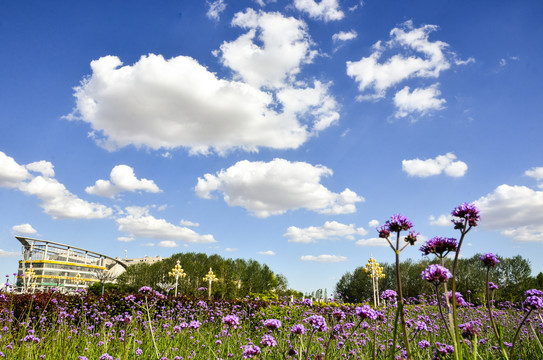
397	224
466	216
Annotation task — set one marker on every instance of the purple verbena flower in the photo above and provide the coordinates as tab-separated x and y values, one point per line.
398	223
470	329
231	320
145	290
366	312
533	292
439	246
459	298
489	260
298	329
383	231
412	237
468	212
533	302
423	344
250	350
272	324
436	274
317	322
492	286
194	324
268	340
389	295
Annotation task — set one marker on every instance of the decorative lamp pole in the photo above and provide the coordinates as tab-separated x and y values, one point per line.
77	281
177	272
210	277
375	271
30	275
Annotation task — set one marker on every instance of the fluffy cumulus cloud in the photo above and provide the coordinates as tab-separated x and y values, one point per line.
371	242
215	8
324	258
330	230
23	229
420	101
272	188
442	220
430	167
163	103
536	173
122	178
517	211
139	223
56	200
327	10
370	74
345	36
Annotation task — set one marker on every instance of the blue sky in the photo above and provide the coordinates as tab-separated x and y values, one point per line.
283	131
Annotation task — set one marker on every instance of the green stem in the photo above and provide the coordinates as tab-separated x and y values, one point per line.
518	331
151	328
400	295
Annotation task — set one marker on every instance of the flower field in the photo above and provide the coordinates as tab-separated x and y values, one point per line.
149	325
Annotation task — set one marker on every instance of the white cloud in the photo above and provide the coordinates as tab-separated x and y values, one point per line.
268	252
139	223
537	174
126	238
324	258
60	203
11	173
43	167
23	229
442	220
274	187
168	244
517	211
188	223
417	57
372	242
345	36
327	10
4	253
373	223
271	52
215	9
431	167
420	101
122	178
330	230
57	201
231	249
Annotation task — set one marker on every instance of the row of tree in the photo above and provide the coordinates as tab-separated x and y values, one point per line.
236	277
512	275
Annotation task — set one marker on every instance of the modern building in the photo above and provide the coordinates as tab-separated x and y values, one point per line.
47	264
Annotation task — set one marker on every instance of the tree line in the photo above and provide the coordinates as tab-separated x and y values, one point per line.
512	276
236	277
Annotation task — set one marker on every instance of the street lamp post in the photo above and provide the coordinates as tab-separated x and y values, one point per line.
210	277
375	271
177	272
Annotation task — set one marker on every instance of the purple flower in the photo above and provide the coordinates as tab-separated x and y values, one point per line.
231	320
492	286
250	350
317	322
139	351
436	274
383	231
194	324
424	344
298	329
533	302
366	312
398	223
412	237
272	324
468	212
268	340
459	298
440	246
443	349
308	302
105	356
338	314
470	329
143	290
533	292
389	294
489	260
